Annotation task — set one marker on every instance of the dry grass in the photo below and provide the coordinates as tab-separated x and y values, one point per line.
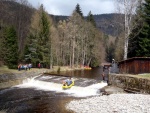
145	75
4	69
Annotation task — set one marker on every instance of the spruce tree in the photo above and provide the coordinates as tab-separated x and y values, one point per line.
144	36
134	35
140	38
39	45
44	38
11	47
90	18
78	10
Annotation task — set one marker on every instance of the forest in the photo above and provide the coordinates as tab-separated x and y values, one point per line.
29	35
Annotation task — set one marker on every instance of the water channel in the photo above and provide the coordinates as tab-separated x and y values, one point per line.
44	93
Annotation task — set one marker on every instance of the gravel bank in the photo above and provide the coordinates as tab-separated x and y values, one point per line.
114	103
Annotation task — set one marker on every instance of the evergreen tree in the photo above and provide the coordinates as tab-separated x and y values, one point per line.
44	40
38	44
78	10
144	35
11	47
90	18
140	38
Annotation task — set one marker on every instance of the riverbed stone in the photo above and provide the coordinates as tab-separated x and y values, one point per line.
119	103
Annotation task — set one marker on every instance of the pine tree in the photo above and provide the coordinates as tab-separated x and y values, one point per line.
11	47
78	10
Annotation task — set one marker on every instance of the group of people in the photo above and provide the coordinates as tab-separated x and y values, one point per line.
24	66
67	82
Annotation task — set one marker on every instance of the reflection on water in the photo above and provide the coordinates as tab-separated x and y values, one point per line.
94	73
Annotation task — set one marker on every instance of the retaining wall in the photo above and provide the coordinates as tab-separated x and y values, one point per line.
11	79
131	82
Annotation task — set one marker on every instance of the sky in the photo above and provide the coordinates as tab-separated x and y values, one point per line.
66	7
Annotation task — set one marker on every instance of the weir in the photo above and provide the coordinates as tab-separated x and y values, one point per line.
82	88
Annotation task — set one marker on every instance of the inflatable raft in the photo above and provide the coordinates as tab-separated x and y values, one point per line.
66	86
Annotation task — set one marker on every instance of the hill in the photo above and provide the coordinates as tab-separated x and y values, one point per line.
21	13
16	14
110	24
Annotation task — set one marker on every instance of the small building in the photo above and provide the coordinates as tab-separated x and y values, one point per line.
135	65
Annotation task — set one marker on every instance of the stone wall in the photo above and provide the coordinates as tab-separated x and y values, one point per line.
130	82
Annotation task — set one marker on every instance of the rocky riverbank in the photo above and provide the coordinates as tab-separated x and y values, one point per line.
114	103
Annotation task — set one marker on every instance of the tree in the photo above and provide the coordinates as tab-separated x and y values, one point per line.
63	46
39	40
17	13
90	18
11	47
128	9
118	54
79	42
78	10
134	39
139	43
44	40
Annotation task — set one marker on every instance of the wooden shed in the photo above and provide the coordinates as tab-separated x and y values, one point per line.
135	65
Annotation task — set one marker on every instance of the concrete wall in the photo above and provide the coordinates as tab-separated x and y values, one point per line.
8	80
130	82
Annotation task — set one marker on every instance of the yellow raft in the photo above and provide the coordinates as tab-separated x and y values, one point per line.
66	86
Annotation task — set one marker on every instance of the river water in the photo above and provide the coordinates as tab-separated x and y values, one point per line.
44	93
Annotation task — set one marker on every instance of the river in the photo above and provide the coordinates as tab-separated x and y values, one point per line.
44	93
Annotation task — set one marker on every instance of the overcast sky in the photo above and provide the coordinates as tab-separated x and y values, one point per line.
66	7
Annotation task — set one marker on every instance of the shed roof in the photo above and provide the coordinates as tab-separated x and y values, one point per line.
135	58
106	64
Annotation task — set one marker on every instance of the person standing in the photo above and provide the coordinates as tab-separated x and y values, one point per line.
19	67
29	65
103	74
39	65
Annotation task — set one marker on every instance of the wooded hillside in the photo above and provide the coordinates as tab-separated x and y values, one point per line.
110	24
52	40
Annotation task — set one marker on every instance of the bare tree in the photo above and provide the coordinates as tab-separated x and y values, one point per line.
128	8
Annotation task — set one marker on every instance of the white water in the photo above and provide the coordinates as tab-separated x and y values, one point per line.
76	91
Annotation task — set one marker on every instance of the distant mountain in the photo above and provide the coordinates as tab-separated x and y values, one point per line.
57	18
13	13
110	24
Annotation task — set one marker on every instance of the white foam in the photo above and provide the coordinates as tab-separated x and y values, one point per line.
46	77
98	85
73	91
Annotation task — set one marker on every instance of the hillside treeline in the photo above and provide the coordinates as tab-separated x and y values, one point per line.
29	35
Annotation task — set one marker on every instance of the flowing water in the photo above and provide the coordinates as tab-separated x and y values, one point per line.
44	94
